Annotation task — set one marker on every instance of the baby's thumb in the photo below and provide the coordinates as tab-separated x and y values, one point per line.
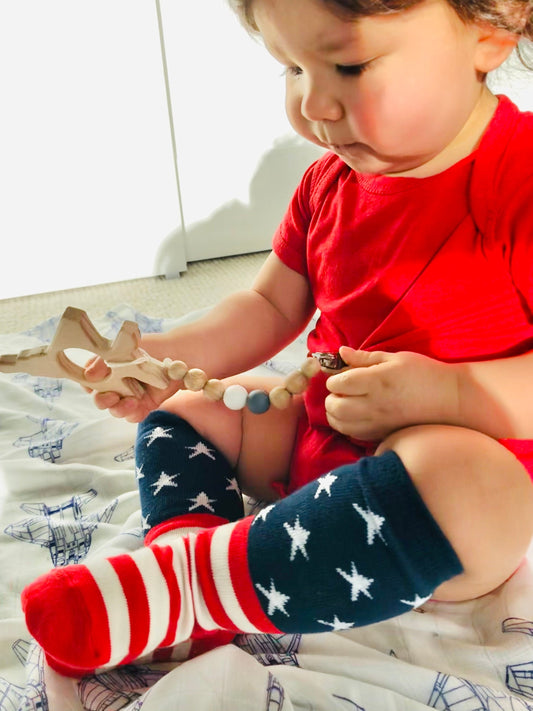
360	359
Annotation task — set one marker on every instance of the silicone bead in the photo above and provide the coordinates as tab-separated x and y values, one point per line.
195	379
280	397
176	369
214	389
258	402
296	382
310	367
235	397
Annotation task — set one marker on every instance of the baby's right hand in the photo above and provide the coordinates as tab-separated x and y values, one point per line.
130	408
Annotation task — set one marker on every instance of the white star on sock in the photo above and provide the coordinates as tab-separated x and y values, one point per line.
158	433
201	448
299	538
202	500
373	523
417	602
337	625
276	600
324	484
359	583
139	473
233	485
145	525
164	480
263	513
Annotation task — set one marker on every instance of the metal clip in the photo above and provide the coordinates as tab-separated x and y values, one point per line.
329	361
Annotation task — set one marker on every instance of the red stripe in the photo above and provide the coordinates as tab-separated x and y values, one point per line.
185	521
206	581
164	556
135	592
242	582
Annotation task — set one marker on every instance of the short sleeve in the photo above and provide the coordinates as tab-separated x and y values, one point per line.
290	239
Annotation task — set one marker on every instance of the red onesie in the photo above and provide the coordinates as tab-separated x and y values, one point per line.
440	266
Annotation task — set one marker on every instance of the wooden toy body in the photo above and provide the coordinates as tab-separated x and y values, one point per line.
130	365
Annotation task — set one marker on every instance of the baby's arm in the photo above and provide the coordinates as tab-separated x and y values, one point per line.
239	333
384	392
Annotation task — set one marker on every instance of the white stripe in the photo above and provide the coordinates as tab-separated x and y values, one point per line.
180	567
158	597
201	610
221	576
117	609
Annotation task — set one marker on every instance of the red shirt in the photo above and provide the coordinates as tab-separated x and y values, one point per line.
439	266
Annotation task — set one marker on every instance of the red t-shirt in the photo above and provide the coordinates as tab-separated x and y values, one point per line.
439	266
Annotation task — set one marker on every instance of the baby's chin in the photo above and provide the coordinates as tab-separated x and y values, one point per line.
365	161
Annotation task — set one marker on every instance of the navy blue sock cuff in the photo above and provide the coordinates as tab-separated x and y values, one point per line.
181	473
423	550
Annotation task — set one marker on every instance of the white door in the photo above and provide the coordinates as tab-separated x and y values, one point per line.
88	190
239	161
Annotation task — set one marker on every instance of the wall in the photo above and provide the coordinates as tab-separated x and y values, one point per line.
119	161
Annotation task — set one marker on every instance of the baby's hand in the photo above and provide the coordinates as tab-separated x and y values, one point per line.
380	392
132	409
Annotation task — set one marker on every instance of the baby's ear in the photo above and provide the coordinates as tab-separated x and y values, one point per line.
493	48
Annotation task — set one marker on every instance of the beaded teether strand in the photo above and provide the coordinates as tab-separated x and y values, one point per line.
236	397
130	367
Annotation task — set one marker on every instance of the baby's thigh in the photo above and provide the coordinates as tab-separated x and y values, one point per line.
258	447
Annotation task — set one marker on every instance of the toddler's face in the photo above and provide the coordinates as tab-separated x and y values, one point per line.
387	93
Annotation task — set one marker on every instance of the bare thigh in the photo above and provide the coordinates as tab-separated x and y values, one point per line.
480	495
258	447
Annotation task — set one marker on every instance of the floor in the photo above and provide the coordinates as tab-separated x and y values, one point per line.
203	284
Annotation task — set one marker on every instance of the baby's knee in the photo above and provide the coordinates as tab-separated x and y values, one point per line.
479	494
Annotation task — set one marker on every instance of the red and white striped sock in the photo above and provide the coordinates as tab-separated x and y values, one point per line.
113	611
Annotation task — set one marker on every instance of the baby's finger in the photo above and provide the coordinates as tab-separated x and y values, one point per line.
96	369
352	381
107	400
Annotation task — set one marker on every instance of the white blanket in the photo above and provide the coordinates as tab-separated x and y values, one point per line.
68	490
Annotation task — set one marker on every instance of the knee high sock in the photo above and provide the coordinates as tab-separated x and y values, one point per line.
356	546
185	484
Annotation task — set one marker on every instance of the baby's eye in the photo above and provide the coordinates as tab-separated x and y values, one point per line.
292	71
351	70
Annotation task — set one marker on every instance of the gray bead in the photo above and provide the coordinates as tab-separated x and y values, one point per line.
258	402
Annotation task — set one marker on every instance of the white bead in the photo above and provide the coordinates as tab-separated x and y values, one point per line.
235	397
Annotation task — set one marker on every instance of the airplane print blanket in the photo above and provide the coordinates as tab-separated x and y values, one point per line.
67	492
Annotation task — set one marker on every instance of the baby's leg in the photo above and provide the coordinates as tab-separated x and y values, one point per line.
354	547
365	542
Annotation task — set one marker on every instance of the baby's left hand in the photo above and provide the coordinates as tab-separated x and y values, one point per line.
382	392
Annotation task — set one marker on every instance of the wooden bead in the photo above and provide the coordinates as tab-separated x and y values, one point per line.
296	382
214	389
195	379
258	402
310	367
235	397
280	397
176	369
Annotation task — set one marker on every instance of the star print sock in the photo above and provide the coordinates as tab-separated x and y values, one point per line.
185	484
180	473
354	547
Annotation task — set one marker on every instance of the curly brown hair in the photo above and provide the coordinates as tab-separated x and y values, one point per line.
515	16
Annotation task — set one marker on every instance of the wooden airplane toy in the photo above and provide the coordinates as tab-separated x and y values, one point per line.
130	366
